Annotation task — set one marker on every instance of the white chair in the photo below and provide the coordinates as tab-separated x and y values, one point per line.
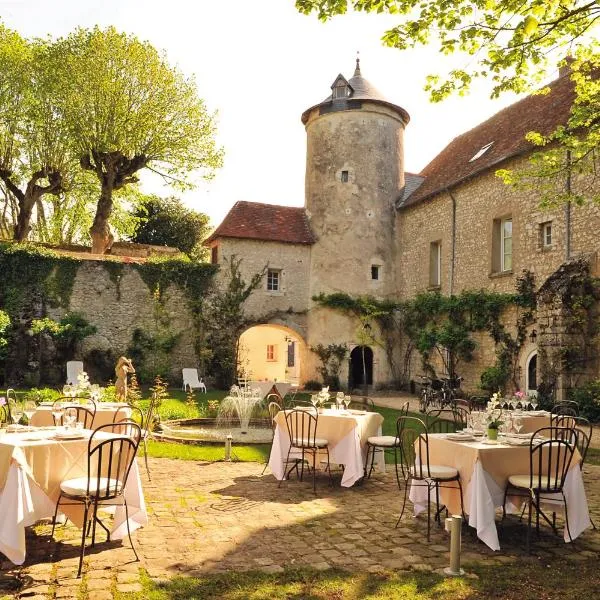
74	367
191	381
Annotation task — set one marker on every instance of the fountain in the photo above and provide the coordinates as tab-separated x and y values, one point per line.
240	404
234	419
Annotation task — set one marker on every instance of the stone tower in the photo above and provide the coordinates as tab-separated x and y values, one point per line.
354	176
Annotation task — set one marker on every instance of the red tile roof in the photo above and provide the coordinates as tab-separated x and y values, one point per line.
269	222
506	129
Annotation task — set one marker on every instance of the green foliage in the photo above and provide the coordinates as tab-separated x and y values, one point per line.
150	352
222	322
494	378
332	357
588	397
313	385
42	395
4	326
127	109
168	222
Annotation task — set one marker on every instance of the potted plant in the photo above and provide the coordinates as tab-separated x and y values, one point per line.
494	420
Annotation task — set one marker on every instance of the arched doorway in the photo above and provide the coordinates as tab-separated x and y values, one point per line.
271	353
361	367
532	374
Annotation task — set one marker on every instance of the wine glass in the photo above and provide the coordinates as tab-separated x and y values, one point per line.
29	410
69	418
315	400
347	400
67	388
518	424
534	402
57	412
17	412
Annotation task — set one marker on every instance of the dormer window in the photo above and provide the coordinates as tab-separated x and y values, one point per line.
481	152
340	88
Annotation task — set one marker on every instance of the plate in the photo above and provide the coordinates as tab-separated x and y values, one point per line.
516	441
460	437
69	436
490	442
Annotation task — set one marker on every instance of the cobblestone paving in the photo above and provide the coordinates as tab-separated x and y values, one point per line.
226	516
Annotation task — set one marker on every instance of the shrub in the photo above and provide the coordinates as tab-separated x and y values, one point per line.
313	385
494	378
588	397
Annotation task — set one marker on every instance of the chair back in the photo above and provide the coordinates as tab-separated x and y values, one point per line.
583	428
190	377
74	367
124	427
441	420
414	448
5	414
109	462
566	407
82	414
461	416
289	398
274	409
550	459
302	427
363	403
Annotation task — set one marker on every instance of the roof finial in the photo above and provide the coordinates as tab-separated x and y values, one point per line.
357	70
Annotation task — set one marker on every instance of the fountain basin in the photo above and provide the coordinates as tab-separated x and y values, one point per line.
206	431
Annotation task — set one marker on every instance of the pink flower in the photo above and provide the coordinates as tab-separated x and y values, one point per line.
519	394
2	401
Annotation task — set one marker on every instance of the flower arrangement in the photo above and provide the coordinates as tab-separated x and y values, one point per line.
494	419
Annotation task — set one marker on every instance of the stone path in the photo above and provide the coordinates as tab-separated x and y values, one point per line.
207	517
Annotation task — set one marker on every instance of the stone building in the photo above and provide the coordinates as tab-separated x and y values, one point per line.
369	228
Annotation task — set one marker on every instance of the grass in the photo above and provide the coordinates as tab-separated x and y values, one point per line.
249	453
528	579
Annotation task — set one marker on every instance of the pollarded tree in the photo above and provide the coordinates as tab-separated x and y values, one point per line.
34	150
127	110
513	42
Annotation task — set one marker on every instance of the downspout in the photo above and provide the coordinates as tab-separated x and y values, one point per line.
568	209
453	244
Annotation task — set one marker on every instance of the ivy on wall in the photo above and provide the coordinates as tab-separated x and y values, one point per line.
441	327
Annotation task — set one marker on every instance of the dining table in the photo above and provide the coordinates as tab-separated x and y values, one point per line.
347	432
484	468
106	412
33	463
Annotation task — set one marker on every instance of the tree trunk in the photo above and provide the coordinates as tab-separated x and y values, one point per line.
26	204
102	238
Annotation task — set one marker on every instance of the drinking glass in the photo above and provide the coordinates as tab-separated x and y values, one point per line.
339	400
315	400
16	411
29	410
57	413
69	418
534	402
518	424
67	389
347	400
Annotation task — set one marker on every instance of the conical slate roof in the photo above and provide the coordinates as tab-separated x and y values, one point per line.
360	89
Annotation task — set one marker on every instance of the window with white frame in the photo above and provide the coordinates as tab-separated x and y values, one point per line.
435	264
546	234
506	244
274	280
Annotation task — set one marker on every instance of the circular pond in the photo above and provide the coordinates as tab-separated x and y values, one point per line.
209	431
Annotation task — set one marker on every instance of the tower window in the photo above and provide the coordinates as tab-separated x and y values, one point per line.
340	90
271	353
344	176
375	272
273	280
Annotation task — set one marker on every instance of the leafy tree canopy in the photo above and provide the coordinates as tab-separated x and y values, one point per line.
514	43
127	109
168	222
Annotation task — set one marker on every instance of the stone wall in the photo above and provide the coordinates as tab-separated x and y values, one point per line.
118	306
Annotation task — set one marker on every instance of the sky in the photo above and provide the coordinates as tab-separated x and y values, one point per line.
259	64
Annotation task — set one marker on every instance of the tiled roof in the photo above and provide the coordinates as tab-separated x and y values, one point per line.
506	129
411	183
269	222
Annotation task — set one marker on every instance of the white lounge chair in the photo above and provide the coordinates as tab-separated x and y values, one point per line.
191	381
74	367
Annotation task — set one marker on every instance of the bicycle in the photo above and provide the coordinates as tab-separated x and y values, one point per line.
430	393
450	385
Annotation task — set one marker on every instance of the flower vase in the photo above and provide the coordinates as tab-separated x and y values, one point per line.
492	434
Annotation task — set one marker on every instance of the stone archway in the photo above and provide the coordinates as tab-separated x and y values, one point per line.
531	373
271	352
361	367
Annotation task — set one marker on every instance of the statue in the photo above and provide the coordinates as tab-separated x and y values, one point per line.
123	367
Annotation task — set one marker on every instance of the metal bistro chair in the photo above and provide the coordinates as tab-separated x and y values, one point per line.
566	407
83	414
302	431
108	464
444	420
146	422
417	470
381	443
549	463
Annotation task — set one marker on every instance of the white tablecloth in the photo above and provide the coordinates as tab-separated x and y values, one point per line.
484	495
24	501
348	450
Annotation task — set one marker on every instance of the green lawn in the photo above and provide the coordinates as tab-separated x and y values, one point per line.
526	579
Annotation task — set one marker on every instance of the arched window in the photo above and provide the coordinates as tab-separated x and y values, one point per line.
532	373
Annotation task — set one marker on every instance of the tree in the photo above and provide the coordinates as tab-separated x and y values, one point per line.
513	42
168	222
128	110
34	149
